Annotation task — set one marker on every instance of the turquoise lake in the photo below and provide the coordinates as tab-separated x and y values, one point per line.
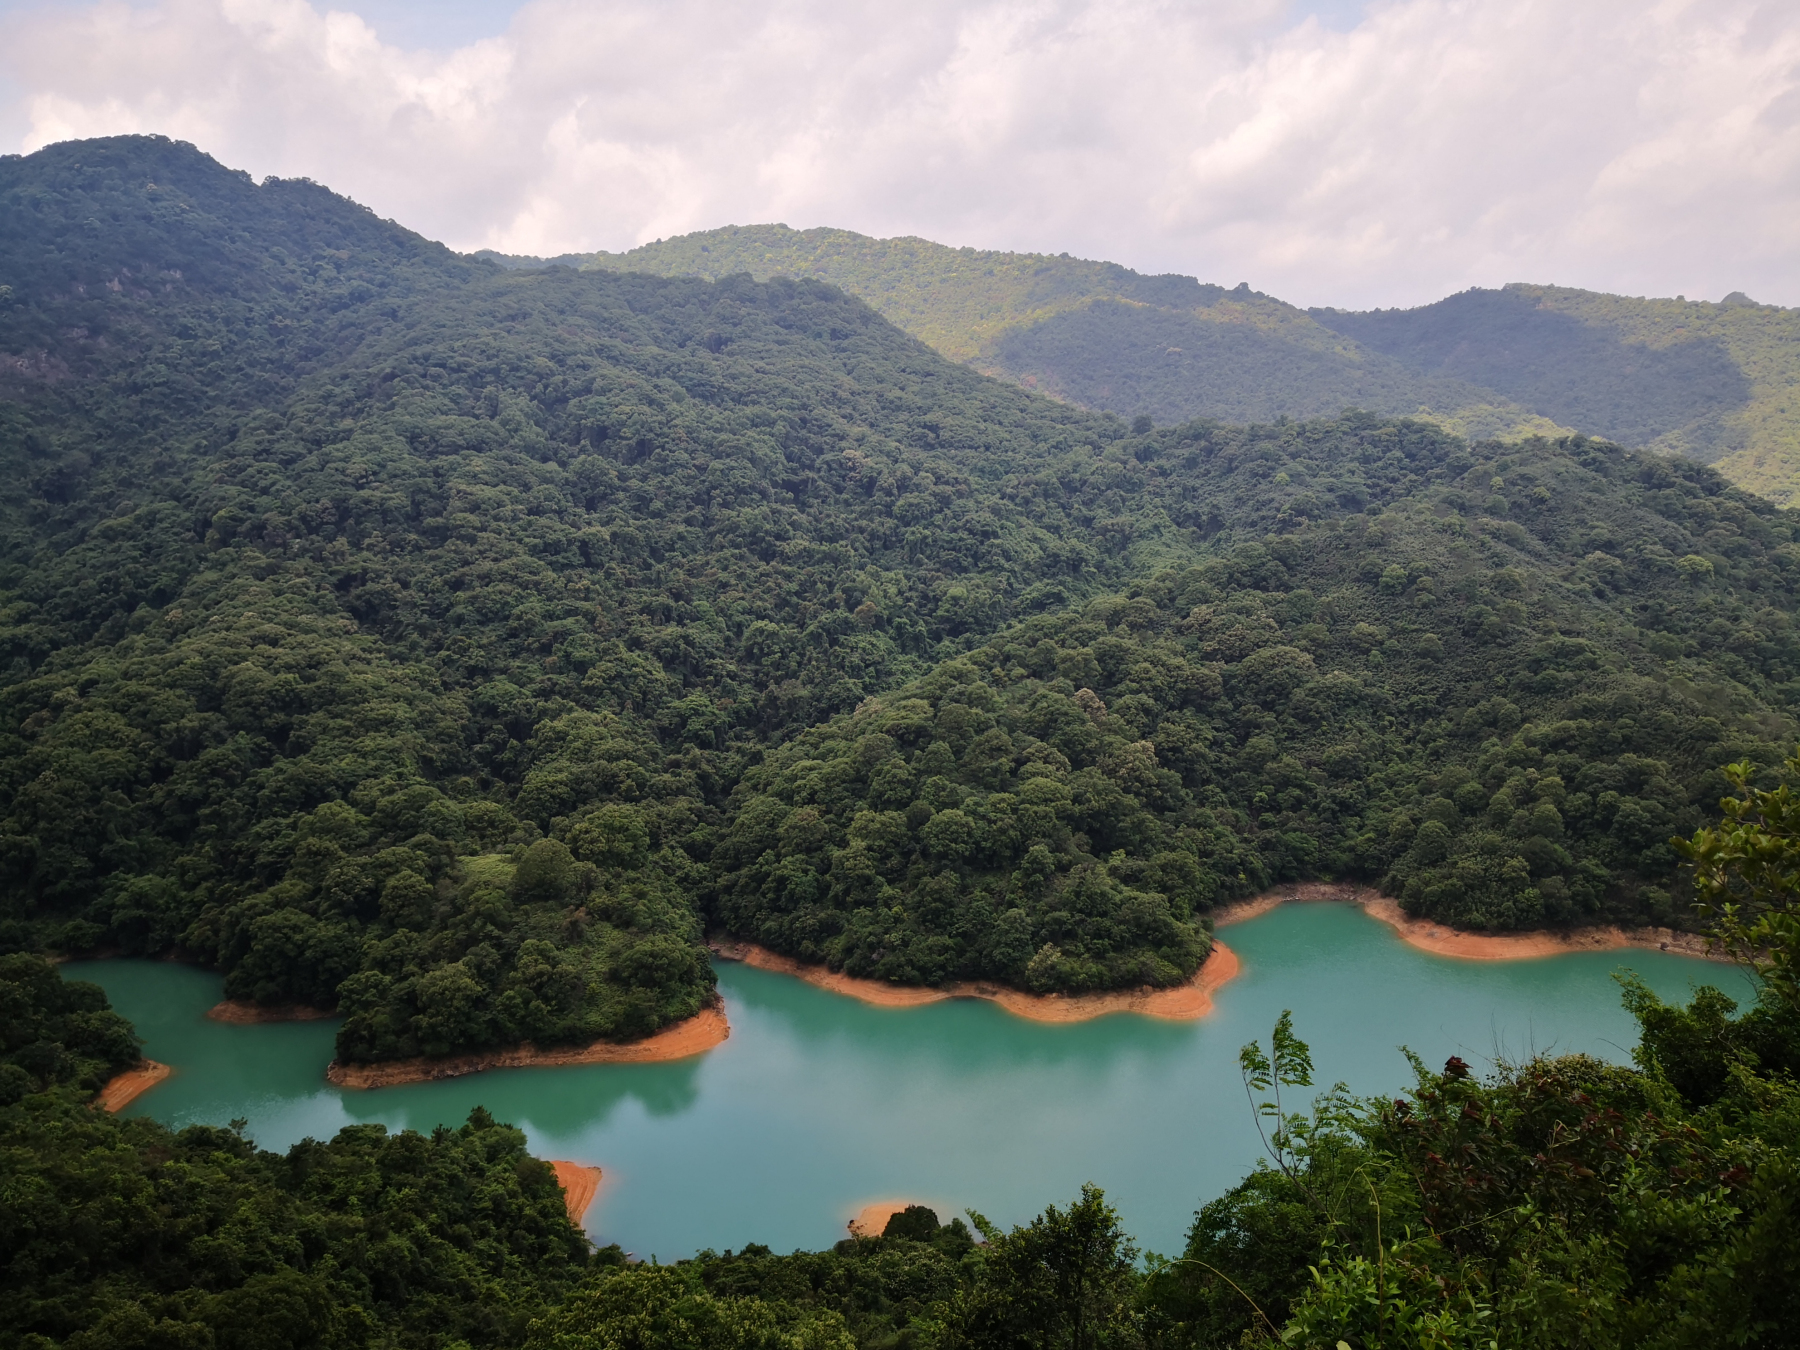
818	1104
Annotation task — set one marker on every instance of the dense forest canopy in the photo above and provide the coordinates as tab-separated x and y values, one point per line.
1715	382
441	561
454	645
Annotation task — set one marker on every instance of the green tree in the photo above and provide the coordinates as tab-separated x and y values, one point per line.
1747	875
55	1031
1064	1281
662	1308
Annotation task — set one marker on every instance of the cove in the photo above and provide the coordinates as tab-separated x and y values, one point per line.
819	1104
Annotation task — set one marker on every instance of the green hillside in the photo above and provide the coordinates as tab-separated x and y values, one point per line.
457	645
1492	704
1093	333
1715	382
454	645
343	561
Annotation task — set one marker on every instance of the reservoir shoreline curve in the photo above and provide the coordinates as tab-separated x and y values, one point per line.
580	1184
1190	999
122	1089
1440	939
694	1036
240	1012
821	1107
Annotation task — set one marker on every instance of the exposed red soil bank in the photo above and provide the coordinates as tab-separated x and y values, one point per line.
241	1012
123	1089
698	1034
1443	940
580	1184
1182	1002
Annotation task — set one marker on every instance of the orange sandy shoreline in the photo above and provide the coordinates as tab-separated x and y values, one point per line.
123	1089
1193	999
1182	1002
242	1012
1442	940
698	1034
580	1184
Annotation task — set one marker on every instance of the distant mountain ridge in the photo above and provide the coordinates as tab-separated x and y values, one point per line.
1715	382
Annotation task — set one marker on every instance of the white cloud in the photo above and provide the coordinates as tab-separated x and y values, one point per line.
1436	144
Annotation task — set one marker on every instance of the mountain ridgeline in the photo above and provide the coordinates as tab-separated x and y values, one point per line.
1714	382
1091	333
457	645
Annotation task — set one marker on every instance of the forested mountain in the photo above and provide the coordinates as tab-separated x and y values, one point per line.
345	560
454	645
1715	382
1167	347
1500	711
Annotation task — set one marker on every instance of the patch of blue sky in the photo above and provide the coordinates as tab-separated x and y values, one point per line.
411	24
1338	15
441	25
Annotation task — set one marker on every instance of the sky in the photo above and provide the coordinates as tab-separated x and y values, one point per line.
1331	152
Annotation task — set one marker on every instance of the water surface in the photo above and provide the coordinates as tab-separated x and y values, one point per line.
818	1104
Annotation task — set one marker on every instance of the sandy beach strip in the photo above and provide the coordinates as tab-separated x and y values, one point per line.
243	1013
1446	941
580	1184
1442	940
1182	1002
701	1032
123	1089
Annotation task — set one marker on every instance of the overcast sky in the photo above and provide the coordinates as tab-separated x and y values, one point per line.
1331	152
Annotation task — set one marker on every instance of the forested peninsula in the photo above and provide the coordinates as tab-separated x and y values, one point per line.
460	647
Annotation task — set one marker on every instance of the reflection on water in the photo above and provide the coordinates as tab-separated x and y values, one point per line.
818	1103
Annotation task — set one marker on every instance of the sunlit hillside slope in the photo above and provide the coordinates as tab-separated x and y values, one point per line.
1715	382
1094	333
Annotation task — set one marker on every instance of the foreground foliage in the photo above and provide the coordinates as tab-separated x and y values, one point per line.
1564	1202
1747	877
121	1233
